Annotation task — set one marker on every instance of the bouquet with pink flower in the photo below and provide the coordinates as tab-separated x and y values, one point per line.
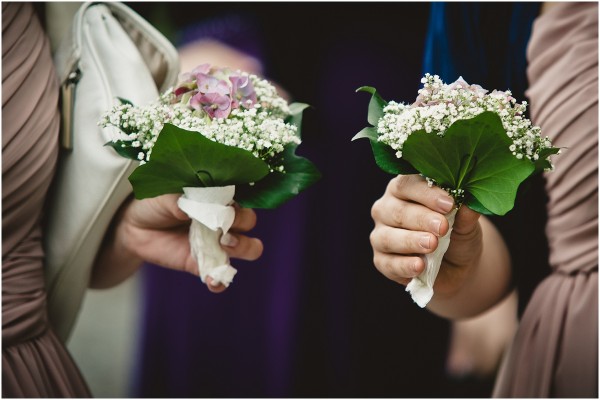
218	134
476	145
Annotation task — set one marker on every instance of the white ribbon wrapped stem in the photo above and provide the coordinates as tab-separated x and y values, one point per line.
421	287
212	214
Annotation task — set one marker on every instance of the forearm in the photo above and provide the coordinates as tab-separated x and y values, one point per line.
486	284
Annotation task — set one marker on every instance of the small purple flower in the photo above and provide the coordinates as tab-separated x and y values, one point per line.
201	69
242	91
214	104
478	90
460	83
187	82
420	100
188	79
209	84
181	90
506	98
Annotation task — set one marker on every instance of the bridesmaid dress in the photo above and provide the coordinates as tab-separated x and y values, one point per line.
555	351
34	362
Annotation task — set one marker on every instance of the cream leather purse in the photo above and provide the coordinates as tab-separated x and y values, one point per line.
109	52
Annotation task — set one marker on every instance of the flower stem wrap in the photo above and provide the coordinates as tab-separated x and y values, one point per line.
421	287
212	214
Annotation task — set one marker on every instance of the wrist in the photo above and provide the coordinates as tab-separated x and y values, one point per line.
117	258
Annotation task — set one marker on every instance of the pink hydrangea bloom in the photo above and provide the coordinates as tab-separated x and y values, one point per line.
214	104
242	91
216	91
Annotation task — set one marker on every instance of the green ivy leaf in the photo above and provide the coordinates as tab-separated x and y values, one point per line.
295	117
475	205
277	188
124	149
385	156
375	105
473	155
124	101
542	163
182	158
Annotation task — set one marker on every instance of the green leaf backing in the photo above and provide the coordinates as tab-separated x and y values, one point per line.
182	158
472	155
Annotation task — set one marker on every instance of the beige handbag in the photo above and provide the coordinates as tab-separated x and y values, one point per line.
109	52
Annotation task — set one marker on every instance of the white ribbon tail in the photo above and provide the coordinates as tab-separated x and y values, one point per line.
212	215
421	287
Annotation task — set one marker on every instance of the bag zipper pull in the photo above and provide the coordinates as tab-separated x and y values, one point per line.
68	104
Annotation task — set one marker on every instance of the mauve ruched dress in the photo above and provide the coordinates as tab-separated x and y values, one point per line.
555	352
34	362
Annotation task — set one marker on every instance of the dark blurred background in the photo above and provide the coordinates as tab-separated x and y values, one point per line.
312	317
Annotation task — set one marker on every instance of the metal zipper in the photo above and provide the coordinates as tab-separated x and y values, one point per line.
68	104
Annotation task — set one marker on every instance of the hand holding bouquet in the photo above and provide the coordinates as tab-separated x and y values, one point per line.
476	145
217	135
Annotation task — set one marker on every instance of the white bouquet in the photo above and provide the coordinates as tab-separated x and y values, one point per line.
476	145
218	135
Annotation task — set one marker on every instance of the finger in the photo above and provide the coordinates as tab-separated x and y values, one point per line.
245	219
242	246
414	188
169	202
214	288
400	269
401	241
391	211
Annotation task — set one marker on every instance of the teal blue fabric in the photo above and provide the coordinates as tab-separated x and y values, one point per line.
485	43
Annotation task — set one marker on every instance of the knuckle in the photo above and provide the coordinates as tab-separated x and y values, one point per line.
386	269
385	242
422	220
392	268
377	260
380	241
376	210
400	183
384	265
398	216
373	237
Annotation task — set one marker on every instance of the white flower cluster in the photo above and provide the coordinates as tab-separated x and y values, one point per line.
439	105
268	97
260	129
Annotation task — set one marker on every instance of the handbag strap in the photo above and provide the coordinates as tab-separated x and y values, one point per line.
160	55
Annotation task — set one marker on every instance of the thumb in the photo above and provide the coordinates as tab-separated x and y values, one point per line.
169	203
466	220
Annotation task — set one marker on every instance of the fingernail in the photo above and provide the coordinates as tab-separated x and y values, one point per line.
416	269
445	204
229	240
434	225
424	242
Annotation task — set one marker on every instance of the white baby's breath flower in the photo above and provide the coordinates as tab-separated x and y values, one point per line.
260	129
439	105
